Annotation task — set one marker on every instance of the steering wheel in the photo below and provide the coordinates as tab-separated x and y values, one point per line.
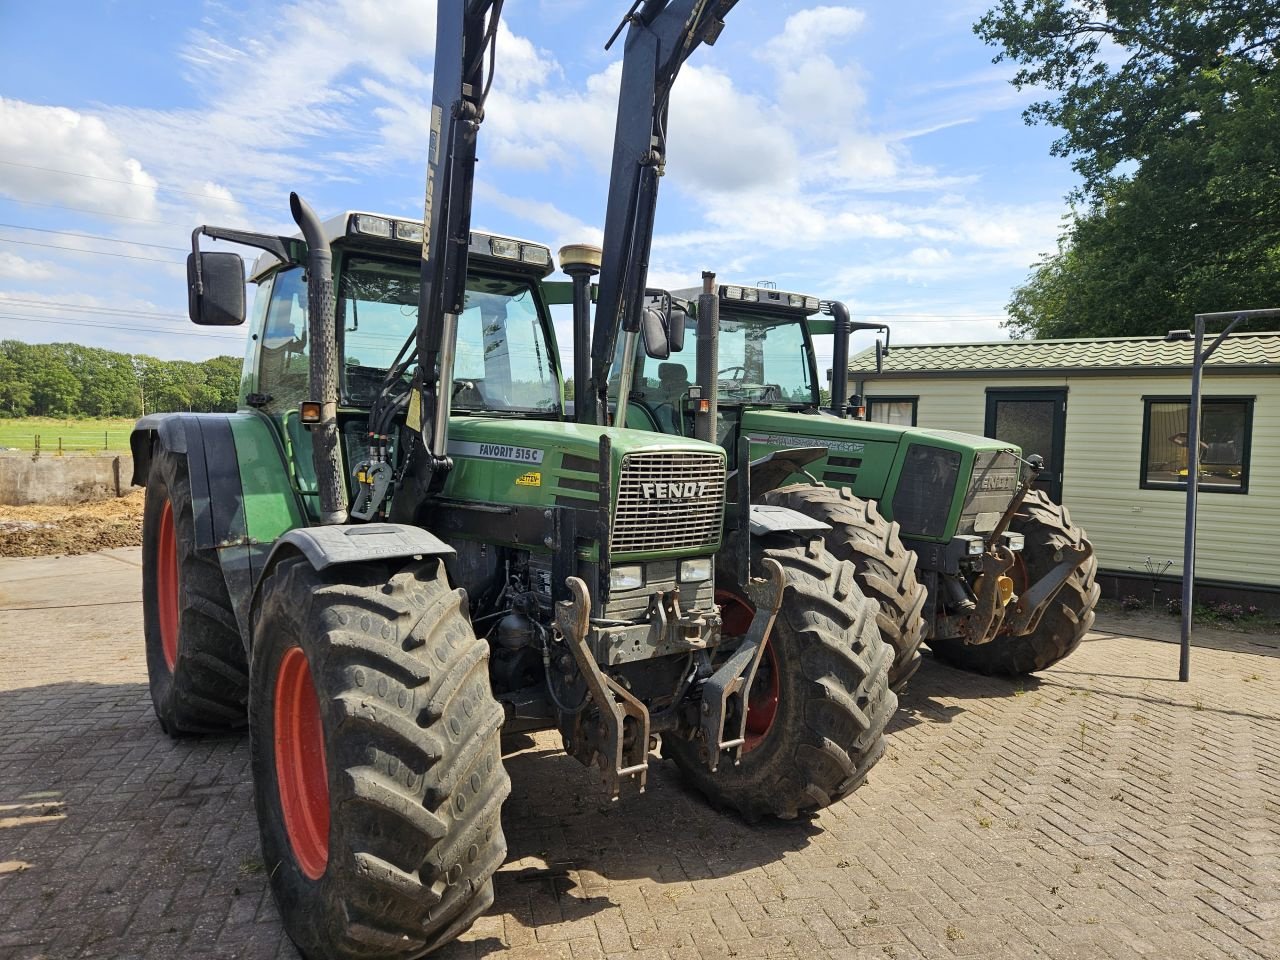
467	385
727	370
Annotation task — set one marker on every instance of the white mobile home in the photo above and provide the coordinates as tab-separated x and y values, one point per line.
1110	419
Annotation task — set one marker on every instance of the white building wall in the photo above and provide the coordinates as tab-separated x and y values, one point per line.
1238	535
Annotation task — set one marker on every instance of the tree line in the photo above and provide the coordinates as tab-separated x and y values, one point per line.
70	380
1169	111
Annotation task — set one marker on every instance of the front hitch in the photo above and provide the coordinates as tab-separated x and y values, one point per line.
734	678
1031	605
620	750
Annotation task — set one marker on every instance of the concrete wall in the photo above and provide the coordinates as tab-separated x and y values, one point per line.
25	479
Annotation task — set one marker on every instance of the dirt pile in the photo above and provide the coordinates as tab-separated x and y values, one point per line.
46	529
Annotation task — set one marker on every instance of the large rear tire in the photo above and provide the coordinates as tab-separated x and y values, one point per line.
376	760
1047	528
885	568
820	701
196	665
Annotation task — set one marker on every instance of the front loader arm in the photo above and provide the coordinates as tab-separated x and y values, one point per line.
465	35
661	36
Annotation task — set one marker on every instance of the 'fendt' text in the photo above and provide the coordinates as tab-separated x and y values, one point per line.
664	490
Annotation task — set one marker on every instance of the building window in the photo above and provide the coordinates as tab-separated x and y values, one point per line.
1226	427
900	411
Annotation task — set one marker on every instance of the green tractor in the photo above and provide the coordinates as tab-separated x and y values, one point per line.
944	529
401	547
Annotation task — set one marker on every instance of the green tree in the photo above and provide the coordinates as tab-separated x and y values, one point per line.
223	377
1168	111
15	391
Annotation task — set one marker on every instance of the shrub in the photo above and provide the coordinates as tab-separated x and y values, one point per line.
1130	603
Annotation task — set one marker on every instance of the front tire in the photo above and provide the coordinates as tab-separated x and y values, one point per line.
1047	528
196	666
885	568
821	700
377	767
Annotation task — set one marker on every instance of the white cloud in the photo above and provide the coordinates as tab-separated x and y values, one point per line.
57	155
556	227
725	140
14	267
813	30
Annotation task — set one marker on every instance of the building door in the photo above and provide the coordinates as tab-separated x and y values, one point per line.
1036	421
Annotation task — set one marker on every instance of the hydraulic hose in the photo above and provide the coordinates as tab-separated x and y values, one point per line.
323	347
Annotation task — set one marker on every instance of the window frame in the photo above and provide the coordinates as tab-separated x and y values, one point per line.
1181	485
915	408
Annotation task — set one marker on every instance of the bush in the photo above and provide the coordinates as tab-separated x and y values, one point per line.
1130	603
1174	606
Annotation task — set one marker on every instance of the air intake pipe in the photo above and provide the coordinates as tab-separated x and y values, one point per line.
707	409
323	345
840	360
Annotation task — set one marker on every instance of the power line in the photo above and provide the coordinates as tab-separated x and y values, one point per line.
100	253
88	308
93	213
127	183
170	331
93	236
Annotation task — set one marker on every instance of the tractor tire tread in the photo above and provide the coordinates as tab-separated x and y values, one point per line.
884	567
1046	528
206	690
826	748
416	776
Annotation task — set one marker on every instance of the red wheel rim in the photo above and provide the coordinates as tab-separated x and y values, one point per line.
300	767
762	699
167	585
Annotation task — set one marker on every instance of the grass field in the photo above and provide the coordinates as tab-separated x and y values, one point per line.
77	436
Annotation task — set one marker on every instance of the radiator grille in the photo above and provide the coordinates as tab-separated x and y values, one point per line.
668	501
996	474
923	498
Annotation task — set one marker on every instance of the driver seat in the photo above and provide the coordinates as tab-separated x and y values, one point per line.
673	384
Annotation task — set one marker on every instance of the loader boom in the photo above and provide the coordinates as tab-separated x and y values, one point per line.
661	36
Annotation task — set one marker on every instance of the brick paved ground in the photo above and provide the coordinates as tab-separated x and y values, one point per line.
1100	811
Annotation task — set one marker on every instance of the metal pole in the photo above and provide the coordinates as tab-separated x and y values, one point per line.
1193	464
1193	492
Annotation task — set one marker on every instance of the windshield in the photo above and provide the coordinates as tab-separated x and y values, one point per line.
503	362
762	360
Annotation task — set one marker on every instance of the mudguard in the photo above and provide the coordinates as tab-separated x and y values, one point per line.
330	546
766	519
242	495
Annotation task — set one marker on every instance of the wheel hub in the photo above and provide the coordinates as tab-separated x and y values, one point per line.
301	771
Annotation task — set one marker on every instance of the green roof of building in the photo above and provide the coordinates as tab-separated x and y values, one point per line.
1136	355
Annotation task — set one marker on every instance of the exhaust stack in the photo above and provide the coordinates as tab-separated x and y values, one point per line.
323	344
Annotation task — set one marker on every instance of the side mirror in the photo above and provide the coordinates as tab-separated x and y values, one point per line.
653	328
215	289
677	320
880	352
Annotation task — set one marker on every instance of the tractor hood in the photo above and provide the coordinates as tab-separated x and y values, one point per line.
860	454
554	463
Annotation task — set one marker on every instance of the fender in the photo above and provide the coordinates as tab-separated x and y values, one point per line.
331	546
766	519
338	545
242	494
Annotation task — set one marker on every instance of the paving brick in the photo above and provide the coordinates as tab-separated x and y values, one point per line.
1099	810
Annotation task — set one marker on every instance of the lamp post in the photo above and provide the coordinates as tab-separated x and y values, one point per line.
1235	318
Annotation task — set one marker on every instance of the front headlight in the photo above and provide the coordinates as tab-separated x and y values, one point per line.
626	578
695	569
1014	541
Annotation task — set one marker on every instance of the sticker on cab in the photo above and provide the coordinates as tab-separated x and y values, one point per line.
531	479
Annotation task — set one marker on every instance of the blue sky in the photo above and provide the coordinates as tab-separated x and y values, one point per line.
869	153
